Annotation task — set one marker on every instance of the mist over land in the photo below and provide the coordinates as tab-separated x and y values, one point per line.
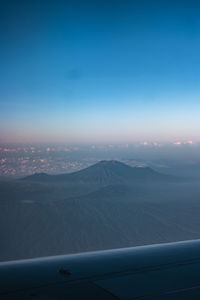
106	205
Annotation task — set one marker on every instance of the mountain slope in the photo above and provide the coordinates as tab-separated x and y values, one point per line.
104	173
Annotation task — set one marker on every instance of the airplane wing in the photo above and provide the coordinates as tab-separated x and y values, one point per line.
165	271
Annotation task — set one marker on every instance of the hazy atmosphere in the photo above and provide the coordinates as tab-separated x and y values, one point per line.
99	125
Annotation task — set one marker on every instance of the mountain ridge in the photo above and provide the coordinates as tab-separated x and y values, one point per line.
104	172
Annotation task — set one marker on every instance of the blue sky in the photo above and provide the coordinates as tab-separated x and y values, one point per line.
99	71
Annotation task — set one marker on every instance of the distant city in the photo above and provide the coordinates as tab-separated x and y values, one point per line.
21	160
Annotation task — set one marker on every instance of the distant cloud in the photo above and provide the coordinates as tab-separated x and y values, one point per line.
177	143
184	143
189	142
156	144
145	143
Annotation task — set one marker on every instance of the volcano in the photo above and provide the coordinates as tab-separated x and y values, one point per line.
105	172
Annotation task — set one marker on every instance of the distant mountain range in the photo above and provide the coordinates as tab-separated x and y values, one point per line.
104	173
117	177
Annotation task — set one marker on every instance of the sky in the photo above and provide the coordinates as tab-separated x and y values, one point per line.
99	71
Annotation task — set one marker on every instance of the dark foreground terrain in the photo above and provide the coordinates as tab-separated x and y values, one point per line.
108	205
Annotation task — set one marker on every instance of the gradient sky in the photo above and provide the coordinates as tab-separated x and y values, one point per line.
99	71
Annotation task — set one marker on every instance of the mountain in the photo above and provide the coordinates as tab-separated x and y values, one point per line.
107	205
117	175
104	173
37	177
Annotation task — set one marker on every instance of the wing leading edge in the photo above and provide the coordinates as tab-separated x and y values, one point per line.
165	271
